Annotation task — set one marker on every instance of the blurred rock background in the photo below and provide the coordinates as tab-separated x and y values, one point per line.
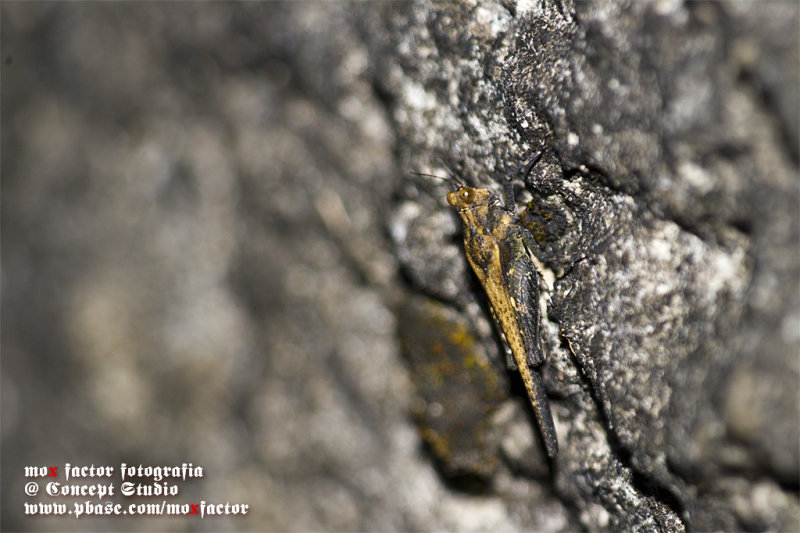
213	252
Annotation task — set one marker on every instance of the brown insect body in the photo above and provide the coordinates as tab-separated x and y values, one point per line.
495	247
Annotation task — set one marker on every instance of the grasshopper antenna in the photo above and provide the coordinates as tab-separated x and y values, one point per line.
452	180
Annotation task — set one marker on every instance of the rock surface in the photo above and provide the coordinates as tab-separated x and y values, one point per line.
213	252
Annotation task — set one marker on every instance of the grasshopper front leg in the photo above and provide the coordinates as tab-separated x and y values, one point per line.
508	183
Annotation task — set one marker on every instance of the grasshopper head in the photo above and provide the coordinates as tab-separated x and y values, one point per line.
468	197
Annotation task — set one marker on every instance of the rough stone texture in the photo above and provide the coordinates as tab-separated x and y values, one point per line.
213	252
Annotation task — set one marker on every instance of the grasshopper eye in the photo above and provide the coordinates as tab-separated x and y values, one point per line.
462	198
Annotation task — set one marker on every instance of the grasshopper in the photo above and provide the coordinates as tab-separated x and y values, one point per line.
495	245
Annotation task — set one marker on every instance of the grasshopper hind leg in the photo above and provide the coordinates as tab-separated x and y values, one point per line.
511	364
524	288
541	408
